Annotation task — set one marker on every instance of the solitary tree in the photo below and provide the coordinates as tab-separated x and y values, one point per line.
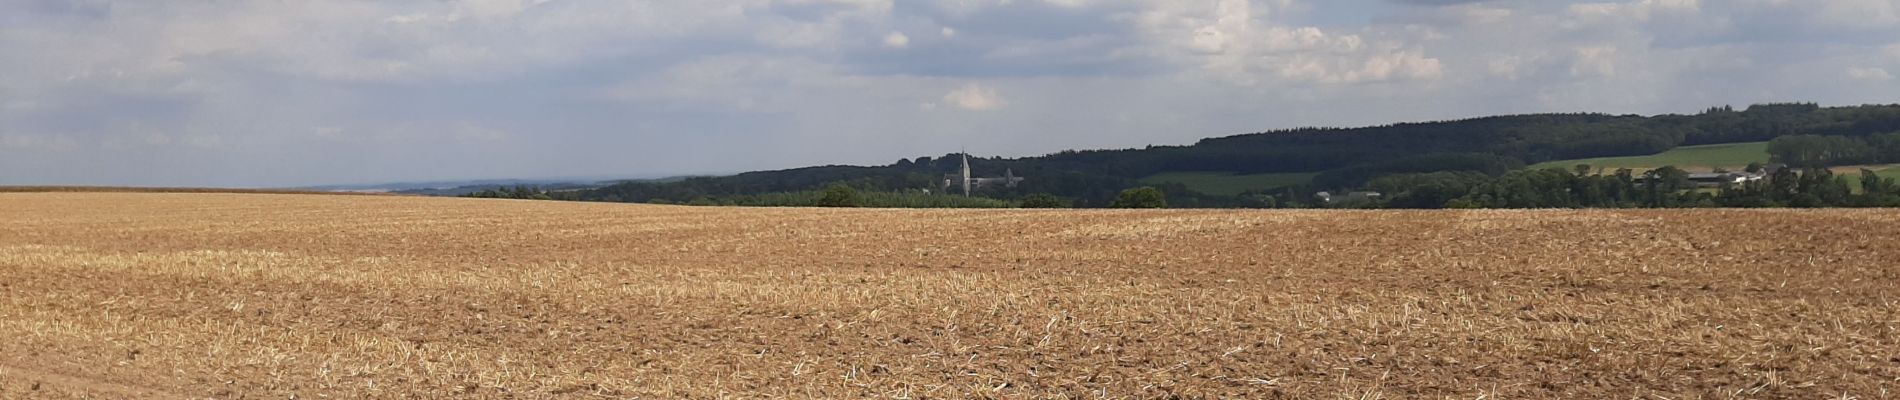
839	195
1141	197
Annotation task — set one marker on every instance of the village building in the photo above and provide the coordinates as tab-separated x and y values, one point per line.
1717	179
970	182
1349	197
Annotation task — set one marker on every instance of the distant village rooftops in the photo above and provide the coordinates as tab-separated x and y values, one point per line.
1717	179
1349	197
1713	179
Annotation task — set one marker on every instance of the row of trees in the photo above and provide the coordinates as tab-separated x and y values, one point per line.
1824	151
1666	187
1342	158
522	192
1076	189
840	195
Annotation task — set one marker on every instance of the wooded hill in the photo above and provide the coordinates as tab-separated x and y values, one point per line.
1344	158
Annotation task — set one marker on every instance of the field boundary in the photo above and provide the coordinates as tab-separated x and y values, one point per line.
37	377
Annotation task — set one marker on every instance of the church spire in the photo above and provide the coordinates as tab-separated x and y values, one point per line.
966	174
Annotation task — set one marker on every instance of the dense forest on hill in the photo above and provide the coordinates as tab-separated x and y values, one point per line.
1344	159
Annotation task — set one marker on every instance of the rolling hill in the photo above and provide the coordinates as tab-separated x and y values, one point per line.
1216	172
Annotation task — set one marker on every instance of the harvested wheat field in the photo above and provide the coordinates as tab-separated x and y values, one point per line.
170	295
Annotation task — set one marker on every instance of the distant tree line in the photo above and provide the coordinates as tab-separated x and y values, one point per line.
1447	158
1820	150
525	192
838	195
845	196
1666	187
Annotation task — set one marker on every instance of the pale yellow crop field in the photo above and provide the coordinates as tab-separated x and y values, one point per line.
185	295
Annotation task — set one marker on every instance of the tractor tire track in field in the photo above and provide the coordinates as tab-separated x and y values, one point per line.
36	378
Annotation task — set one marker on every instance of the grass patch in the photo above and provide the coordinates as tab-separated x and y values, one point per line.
1852	173
1732	156
1227	183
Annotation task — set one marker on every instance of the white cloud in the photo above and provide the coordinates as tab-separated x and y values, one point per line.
467	131
974	97
37	142
829	29
493	9
896	40
413	41
1869	74
1485	15
1236	41
1639	11
8	102
1509	67
1597	61
330	133
385	81
411	132
1403	64
1857	14
1389	66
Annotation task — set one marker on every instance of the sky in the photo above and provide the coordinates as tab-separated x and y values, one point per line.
273	93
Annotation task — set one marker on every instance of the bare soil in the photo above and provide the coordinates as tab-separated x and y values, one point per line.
166	295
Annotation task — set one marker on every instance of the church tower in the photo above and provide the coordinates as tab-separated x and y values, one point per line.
966	174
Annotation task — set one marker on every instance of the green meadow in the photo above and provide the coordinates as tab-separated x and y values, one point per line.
1732	156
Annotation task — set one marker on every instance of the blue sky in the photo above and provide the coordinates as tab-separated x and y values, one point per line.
283	93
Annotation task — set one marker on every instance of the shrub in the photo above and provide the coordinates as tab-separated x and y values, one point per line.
1044	200
1141	197
839	195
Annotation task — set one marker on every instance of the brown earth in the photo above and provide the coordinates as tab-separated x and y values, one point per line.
144	295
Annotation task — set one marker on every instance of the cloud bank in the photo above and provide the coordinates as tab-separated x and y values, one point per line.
294	93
